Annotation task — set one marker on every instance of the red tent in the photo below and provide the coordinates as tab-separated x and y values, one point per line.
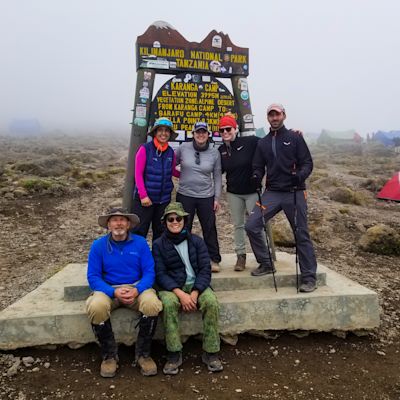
391	190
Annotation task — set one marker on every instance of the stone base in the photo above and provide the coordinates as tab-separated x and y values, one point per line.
54	313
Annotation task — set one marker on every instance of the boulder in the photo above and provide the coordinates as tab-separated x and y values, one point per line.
381	239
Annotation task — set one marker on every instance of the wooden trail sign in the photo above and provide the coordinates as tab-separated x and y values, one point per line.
194	93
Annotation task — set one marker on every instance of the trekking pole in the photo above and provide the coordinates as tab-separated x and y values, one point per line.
295	231
262	208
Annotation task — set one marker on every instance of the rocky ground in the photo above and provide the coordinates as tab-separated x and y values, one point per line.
51	190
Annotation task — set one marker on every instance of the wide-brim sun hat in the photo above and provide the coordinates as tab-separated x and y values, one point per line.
167	124
174	208
103	219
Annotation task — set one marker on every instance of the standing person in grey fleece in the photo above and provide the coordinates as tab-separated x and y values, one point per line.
200	185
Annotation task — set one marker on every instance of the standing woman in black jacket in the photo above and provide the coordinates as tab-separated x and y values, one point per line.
183	274
236	160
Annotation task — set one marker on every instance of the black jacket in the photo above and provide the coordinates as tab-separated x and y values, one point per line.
170	269
236	161
285	154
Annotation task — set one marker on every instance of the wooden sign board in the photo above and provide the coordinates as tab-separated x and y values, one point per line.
188	98
165	50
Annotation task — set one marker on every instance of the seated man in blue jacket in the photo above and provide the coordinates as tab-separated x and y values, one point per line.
121	273
183	273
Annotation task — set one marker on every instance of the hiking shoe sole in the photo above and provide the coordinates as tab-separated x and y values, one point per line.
255	273
172	368
217	367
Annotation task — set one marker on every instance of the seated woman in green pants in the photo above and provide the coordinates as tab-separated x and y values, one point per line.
183	275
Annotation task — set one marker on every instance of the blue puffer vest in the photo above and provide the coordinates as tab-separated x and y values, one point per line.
158	174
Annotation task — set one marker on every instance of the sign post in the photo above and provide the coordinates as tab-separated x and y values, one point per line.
140	123
194	93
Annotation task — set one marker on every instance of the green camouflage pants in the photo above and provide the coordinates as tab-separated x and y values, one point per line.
209	307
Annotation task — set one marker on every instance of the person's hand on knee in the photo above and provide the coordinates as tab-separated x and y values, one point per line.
126	295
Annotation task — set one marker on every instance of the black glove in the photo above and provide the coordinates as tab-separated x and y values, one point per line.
256	181
295	180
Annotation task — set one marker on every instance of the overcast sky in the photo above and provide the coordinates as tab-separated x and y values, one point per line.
333	64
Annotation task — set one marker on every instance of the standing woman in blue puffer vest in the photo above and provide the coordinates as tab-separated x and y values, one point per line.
154	168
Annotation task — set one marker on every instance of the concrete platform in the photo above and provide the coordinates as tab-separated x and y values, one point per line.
228	279
54	313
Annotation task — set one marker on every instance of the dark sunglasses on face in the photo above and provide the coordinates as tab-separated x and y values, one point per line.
173	219
197	157
227	129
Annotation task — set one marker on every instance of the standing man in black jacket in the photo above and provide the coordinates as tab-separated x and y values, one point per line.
285	155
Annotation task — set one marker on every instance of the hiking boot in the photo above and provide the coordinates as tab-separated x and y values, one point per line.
215	266
263	269
308	287
240	262
174	361
147	327
147	366
108	368
109	348
212	361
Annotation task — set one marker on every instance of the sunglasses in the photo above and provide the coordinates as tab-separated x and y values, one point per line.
197	158
227	129
173	219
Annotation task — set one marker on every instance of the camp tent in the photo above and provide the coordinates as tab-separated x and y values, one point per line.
261	132
25	127
391	190
386	138
342	137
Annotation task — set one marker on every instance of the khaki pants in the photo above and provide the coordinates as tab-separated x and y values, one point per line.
99	305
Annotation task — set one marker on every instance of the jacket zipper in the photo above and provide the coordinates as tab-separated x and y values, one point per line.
274	145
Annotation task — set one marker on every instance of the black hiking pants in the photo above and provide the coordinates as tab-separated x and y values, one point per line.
204	207
275	202
149	216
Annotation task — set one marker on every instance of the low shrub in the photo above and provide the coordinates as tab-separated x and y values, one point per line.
381	239
116	171
373	184
347	196
85	183
35	184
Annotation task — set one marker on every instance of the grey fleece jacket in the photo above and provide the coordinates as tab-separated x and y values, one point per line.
199	180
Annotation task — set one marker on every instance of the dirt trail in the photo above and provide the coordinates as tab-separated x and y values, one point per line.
47	226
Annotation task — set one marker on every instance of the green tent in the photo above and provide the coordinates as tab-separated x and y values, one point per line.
261	132
338	137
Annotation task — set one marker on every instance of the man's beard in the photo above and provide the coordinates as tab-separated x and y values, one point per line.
119	231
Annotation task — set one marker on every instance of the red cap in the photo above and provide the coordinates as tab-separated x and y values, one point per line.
228	120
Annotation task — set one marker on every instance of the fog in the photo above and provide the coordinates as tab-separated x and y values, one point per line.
71	64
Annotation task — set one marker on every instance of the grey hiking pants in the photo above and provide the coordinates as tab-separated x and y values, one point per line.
239	204
275	202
